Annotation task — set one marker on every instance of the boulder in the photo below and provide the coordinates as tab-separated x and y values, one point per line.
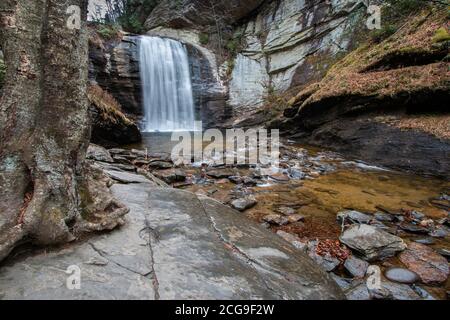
427	263
356	267
221	173
371	243
171	175
276	219
354	217
243	204
402	275
98	153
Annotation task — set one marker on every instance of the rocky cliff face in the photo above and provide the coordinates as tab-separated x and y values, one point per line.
114	65
275	45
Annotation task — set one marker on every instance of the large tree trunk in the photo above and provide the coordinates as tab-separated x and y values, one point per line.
46	190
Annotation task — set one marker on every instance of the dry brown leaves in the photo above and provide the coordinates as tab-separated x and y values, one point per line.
333	248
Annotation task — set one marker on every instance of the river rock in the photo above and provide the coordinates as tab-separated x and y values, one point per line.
327	262
389	290
127	177
171	175
158	164
356	267
98	153
295	218
296	174
413	228
292	239
384	217
243	204
372	243
440	232
279	177
220	173
427	263
427	241
402	275
354	217
444	252
276	219
286	211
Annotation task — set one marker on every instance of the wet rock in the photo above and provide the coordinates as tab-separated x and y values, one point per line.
98	153
380	294
118	151
426	241
384	217
353	217
402	275
444	252
279	177
327	262
343	283
171	175
286	211
424	294
127	178
388	290
413	228
221	173
243	204
158	164
296	174
121	159
440	232
292	239
116	166
417	215
295	218
441	204
356	267
427	263
247	181
276	219
372	243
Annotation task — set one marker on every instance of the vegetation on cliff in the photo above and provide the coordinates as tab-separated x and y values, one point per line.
412	63
110	126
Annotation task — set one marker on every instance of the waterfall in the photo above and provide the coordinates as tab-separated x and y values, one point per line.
166	85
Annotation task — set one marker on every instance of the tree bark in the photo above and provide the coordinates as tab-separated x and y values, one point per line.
47	192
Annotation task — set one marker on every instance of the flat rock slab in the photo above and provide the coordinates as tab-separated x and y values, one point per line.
176	245
427	263
372	243
126	177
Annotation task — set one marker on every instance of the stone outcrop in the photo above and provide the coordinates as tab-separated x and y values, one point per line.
114	65
175	245
290	43
198	13
110	126
370	103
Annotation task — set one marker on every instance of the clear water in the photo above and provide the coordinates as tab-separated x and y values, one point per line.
166	85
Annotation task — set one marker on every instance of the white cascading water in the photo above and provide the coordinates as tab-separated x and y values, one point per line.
166	85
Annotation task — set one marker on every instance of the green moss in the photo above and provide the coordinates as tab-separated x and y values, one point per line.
385	32
204	38
108	31
441	35
2	72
